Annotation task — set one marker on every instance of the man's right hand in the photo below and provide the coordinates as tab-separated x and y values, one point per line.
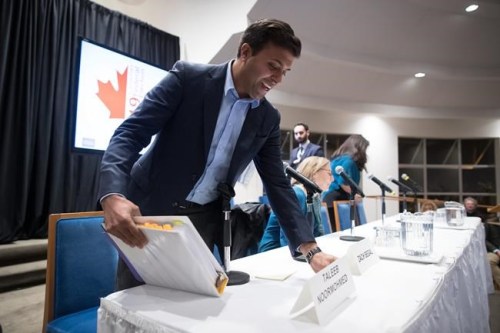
118	219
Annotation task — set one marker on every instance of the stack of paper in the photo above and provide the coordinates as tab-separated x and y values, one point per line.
175	257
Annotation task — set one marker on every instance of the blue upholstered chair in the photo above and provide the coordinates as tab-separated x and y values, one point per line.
325	219
81	268
342	213
263	199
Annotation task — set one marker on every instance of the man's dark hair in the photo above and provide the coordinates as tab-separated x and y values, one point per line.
301	124
279	33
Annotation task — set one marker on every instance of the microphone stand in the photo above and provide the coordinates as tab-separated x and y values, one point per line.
352	203
383	205
235	277
414	188
417	204
405	208
309	201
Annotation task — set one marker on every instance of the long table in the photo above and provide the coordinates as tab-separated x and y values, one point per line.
391	296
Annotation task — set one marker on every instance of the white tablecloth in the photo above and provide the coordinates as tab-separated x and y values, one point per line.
391	296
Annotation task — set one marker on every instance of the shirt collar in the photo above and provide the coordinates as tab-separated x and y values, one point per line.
230	89
304	145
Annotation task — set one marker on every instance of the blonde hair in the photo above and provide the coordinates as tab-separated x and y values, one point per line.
428	205
310	166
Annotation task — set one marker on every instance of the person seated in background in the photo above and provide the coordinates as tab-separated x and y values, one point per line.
351	155
316	169
492	235
305	148
492	231
471	208
428	205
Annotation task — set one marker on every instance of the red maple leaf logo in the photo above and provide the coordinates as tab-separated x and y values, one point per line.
114	99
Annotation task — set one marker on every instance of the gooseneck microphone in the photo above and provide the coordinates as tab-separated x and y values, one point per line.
412	183
402	186
380	183
308	184
340	171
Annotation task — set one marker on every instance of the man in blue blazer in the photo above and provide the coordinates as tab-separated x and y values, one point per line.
305	148
210	121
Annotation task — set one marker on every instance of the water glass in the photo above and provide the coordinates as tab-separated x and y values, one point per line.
440	216
455	213
387	236
417	233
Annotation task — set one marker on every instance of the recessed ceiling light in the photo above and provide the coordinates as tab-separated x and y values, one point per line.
420	75
471	8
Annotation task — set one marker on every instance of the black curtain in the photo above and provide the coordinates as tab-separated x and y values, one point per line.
39	172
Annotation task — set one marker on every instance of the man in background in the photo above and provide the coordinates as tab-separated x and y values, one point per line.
492	230
492	235
471	209
305	148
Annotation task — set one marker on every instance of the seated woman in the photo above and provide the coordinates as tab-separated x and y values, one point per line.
428	205
316	169
352	156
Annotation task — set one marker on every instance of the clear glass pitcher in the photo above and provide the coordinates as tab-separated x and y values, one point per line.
417	233
455	213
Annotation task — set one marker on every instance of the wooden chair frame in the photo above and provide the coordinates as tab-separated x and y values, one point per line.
336	212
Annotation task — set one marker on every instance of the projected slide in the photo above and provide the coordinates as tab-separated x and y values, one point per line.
110	86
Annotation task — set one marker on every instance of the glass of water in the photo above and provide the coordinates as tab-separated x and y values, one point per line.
440	216
388	236
417	233
455	213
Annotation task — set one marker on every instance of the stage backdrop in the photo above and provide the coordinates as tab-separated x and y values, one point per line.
39	173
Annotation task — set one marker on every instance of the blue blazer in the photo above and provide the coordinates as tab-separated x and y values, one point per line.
182	111
311	150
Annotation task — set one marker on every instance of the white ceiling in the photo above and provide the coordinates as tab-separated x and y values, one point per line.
361	55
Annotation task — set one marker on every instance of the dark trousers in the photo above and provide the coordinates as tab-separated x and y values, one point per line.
208	221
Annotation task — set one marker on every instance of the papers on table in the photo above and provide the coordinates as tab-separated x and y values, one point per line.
398	254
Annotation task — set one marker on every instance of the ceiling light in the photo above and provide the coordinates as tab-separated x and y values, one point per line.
471	8
420	75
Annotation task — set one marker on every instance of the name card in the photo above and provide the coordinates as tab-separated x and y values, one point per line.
322	296
361	256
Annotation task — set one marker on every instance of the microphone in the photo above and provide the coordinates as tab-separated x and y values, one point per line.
340	171
402	186
416	187
379	183
308	184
